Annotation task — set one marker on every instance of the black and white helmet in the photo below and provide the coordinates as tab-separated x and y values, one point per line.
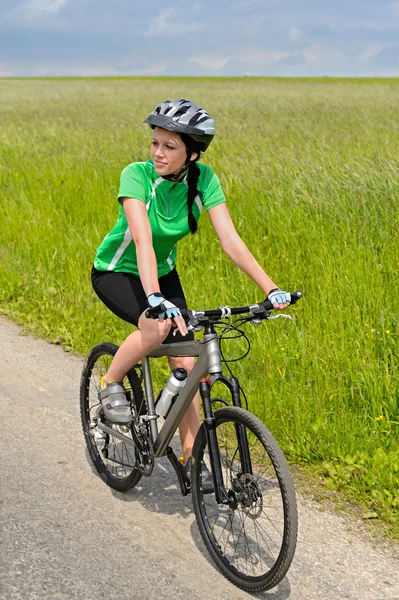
184	116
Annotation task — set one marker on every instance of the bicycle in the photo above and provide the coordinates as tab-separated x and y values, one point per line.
248	517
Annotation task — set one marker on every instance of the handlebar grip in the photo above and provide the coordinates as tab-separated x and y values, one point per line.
294	298
154	312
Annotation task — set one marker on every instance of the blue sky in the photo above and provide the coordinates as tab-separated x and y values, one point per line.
219	37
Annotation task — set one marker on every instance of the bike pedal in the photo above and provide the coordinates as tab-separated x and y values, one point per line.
99	435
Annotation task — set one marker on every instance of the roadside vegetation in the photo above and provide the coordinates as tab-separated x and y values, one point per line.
311	173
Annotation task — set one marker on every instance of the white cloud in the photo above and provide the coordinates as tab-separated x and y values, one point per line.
37	9
311	58
67	70
252	57
258	57
168	22
35	13
153	69
244	4
296	34
395	8
372	51
277	56
210	61
53	68
7	70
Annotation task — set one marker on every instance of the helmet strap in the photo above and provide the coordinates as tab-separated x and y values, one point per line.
178	176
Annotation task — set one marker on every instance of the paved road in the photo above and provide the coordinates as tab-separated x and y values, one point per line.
64	534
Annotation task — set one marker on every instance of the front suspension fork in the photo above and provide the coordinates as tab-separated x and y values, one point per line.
221	494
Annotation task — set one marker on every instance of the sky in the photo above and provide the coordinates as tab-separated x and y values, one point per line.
209	37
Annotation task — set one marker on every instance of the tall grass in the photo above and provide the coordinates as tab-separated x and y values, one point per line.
311	173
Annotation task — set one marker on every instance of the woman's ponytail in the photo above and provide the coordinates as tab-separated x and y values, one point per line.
192	181
193	173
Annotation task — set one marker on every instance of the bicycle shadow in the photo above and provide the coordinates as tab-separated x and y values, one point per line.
160	493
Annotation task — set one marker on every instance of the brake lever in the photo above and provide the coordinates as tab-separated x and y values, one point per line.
280	316
256	309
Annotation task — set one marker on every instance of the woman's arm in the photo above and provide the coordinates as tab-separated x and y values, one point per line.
235	248
140	229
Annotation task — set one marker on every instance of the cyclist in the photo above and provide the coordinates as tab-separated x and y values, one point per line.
135	266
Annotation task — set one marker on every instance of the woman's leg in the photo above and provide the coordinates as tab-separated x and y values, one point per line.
138	344
172	289
123	294
190	423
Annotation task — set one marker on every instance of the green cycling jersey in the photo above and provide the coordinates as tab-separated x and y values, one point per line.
167	210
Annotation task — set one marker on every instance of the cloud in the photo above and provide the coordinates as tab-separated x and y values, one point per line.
255	56
296	34
293	60
155	69
245	5
168	22
7	70
388	58
372	51
210	61
54	68
36	10
228	37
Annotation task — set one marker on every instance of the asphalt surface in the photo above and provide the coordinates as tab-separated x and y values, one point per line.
65	534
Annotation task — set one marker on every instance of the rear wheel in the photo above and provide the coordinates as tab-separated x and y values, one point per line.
114	459
252	538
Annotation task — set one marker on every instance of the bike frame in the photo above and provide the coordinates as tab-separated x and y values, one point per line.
208	353
209	361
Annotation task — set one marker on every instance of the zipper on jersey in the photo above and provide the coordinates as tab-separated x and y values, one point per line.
169	195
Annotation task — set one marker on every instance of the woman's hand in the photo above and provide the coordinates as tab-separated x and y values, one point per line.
170	311
279	298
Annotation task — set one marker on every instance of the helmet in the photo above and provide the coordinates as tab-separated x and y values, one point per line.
184	116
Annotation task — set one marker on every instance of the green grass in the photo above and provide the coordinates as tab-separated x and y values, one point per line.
311	172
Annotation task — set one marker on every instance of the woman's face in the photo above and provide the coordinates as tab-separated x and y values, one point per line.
168	151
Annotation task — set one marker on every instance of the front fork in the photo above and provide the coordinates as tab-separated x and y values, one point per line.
221	494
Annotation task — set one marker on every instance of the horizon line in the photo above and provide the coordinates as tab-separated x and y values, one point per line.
316	78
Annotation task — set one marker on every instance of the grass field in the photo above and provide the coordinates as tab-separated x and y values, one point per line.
311	172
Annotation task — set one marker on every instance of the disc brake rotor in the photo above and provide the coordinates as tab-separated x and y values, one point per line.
248	495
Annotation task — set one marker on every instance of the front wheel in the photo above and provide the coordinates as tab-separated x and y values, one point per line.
252	537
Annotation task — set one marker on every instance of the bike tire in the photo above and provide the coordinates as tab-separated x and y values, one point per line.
113	459
267	494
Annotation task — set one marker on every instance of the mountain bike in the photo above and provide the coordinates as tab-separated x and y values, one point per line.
248	515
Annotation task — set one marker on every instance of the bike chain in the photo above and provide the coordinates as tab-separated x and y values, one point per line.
145	451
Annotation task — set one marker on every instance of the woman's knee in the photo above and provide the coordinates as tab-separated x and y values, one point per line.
153	330
182	362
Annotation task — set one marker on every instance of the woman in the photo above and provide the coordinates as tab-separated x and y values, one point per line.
135	265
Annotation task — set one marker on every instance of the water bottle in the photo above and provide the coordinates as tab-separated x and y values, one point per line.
175	382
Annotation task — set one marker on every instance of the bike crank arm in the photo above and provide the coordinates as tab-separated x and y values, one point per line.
116	434
185	487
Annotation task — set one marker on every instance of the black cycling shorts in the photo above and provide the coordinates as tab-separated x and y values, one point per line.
124	295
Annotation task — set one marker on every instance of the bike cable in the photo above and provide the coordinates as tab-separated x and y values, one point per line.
229	328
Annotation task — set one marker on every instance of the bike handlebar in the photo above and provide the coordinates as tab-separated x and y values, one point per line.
260	309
